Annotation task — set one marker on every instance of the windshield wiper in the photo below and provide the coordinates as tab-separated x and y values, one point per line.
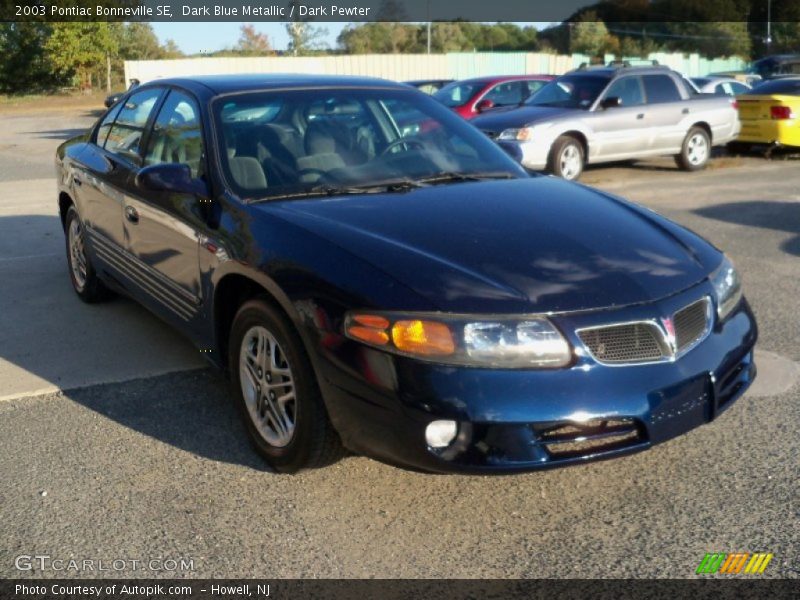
327	189
448	177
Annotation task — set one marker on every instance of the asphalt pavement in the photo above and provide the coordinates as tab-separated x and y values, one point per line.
117	444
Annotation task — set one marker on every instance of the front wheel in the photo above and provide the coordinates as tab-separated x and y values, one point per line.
696	150
567	158
277	392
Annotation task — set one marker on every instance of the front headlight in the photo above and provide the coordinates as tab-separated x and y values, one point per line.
522	134
727	288
498	342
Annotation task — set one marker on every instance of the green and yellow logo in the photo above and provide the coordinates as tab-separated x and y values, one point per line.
734	563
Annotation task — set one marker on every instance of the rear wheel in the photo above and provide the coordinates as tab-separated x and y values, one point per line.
81	272
277	392
567	158
696	150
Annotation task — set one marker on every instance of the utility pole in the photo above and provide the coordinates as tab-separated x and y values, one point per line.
428	7
769	26
108	72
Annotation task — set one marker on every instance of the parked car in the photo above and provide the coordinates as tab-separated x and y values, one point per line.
770	114
470	97
778	65
112	99
601	114
429	86
419	298
720	86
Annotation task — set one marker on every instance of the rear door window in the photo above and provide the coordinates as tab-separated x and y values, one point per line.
628	90
125	136
661	88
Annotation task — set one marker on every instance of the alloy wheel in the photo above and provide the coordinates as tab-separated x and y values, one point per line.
697	149
77	254
570	161
267	386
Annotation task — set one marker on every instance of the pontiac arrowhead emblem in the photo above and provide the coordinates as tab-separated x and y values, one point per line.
669	334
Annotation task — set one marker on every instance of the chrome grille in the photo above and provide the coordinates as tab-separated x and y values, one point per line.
691	324
656	340
626	343
569	440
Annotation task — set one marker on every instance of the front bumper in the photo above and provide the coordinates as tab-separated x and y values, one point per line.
532	154
520	420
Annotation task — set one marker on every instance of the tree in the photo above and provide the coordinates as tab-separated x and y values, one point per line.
138	41
253	43
303	37
24	66
171	50
588	35
77	49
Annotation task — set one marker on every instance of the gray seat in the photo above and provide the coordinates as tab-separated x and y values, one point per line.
322	152
247	173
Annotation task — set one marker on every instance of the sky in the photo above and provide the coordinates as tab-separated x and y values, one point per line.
194	38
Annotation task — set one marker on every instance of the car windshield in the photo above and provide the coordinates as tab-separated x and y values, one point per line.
570	91
459	93
321	141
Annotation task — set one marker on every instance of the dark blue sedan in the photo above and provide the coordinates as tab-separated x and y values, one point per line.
375	274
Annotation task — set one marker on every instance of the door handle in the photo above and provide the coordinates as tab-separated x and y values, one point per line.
77	181
131	214
640	116
685	111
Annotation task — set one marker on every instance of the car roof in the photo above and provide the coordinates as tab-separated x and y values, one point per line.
501	78
612	70
226	84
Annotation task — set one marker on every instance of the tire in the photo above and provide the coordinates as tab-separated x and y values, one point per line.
567	158
290	429
695	151
84	279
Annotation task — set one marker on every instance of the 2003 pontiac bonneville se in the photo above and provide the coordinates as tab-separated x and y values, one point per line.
376	274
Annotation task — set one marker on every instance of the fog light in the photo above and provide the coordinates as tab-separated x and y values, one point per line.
439	434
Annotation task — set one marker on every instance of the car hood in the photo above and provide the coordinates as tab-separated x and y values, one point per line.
504	118
525	245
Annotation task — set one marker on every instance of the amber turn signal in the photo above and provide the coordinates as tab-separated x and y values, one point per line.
369	328
428	338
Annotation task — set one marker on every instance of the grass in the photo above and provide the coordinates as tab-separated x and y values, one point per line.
67	102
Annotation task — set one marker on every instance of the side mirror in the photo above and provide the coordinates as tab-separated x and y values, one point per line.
484	104
611	102
171	177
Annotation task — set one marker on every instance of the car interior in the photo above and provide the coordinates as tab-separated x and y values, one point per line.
273	144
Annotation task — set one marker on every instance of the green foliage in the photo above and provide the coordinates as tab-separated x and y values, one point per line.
75	48
24	65
45	56
589	35
457	36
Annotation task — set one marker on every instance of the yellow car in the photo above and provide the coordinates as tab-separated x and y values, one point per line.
770	113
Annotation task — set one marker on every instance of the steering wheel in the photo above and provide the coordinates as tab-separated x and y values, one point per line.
402	141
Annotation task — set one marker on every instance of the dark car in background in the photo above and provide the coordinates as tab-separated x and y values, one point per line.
112	99
778	65
406	292
470	97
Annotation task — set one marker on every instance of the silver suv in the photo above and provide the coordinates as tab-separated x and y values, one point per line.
615	112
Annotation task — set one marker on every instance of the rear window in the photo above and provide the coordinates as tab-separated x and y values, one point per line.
790	87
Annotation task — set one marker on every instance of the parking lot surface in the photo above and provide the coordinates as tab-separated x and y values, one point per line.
116	442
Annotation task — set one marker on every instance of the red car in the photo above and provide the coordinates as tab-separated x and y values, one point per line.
470	97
